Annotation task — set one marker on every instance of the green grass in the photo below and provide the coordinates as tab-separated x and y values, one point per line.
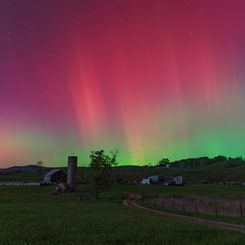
20	176
30	216
212	190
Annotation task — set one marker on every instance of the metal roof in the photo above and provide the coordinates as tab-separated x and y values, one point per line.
52	171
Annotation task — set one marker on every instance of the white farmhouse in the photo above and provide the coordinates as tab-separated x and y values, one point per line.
150	180
145	182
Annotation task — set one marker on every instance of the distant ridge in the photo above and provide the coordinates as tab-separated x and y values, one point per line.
27	168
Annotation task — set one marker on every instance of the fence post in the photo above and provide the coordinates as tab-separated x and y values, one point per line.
143	198
183	206
162	203
215	209
173	207
241	211
196	207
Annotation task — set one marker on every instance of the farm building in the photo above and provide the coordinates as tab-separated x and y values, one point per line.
170	180
178	180
150	180
54	175
145	182
164	180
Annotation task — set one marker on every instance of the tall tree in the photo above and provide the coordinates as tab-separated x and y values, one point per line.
101	164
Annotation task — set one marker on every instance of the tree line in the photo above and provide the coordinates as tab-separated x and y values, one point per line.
196	162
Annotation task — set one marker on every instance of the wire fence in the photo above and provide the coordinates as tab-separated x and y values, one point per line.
198	204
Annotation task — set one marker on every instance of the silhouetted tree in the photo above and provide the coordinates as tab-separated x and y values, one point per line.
101	164
238	158
163	162
219	159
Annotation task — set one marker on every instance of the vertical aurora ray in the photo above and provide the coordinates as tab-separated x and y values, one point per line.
152	79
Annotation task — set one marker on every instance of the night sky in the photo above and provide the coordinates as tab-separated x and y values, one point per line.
151	78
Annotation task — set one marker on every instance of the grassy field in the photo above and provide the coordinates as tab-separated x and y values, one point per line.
212	190
31	215
21	176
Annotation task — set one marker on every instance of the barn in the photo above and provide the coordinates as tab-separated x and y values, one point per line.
54	176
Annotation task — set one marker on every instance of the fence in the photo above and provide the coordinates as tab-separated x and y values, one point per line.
198	204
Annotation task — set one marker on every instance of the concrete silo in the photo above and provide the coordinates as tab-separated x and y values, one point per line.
72	172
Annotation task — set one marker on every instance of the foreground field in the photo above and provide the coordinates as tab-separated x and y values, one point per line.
30	215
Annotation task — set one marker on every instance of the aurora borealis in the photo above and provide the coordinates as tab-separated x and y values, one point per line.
151	78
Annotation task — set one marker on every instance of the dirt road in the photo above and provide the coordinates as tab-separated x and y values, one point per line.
131	201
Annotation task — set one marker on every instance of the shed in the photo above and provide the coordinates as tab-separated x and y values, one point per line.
150	180
153	179
55	175
170	180
145	181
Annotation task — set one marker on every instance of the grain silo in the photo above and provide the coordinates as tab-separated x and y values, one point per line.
72	172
